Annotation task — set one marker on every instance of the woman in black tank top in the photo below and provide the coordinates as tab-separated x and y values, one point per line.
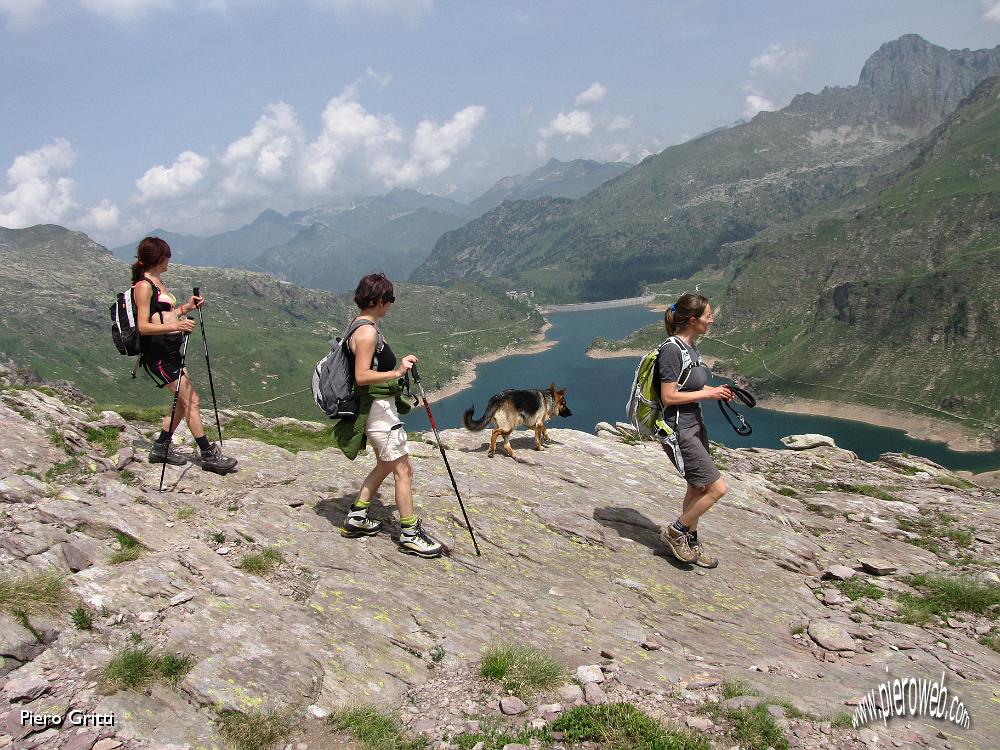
162	326
377	370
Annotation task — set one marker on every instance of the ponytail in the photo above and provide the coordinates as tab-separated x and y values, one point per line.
138	271
688	305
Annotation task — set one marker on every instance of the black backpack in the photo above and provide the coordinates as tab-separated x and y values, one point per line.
124	330
333	377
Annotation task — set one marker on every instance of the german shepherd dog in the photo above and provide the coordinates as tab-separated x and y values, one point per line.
512	408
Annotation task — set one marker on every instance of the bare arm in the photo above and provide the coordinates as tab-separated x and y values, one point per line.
143	300
362	344
670	396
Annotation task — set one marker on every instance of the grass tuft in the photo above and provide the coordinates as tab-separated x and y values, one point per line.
137	666
262	563
81	618
289	437
374	727
38	593
129	548
520	669
254	730
185	513
940	596
855	588
622	726
755	729
106	438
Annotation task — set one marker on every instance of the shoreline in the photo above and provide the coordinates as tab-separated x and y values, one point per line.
467	375
954	436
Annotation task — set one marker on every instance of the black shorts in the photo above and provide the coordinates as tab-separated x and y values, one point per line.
161	358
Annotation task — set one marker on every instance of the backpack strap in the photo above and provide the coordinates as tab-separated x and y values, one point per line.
155	299
686	364
355	325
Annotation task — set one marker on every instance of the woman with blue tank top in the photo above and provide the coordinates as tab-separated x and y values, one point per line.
683	386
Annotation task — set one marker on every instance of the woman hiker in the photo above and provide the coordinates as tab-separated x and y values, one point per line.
162	327
377	375
683	384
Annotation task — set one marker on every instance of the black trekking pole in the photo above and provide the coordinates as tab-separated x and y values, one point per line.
437	436
208	364
173	409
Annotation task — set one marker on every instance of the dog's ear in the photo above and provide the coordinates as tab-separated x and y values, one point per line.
561	393
552	387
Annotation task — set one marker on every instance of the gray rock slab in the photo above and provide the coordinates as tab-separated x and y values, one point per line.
831	636
511	705
587	673
594	695
805	442
163	717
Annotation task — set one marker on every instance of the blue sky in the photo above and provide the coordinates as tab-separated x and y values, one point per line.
119	116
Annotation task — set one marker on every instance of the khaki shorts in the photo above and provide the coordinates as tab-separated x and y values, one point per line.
699	469
385	431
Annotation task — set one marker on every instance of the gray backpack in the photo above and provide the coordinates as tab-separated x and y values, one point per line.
333	377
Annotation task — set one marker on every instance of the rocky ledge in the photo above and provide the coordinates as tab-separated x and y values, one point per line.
826	586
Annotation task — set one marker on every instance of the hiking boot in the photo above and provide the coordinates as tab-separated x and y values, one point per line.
358	524
164	453
704	560
414	539
213	460
678	544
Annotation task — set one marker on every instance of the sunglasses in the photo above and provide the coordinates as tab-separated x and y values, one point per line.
390	299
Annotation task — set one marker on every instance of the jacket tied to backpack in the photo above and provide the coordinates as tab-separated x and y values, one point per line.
350	433
646	412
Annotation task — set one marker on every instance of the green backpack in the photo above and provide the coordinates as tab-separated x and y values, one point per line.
643	407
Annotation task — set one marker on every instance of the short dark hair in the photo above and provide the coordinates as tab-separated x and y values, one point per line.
149	254
373	289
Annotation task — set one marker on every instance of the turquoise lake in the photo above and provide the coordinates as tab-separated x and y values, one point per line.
597	389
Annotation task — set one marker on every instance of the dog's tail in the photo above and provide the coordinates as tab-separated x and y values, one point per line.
477	424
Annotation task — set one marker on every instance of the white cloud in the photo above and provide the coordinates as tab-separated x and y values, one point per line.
349	131
278	165
434	147
382	80
22	14
569	124
992	12
123	11
169	182
619	122
409	9
592	95
778	60
101	218
756	103
40	190
259	161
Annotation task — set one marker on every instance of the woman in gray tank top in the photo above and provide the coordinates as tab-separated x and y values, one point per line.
683	386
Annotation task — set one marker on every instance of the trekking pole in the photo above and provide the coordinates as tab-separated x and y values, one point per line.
173	409
437	436
208	364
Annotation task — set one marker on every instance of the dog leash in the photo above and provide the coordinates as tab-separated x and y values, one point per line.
747	398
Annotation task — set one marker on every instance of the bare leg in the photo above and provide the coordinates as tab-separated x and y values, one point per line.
698	506
188	407
374	480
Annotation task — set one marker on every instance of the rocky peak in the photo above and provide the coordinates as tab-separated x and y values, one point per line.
917	84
